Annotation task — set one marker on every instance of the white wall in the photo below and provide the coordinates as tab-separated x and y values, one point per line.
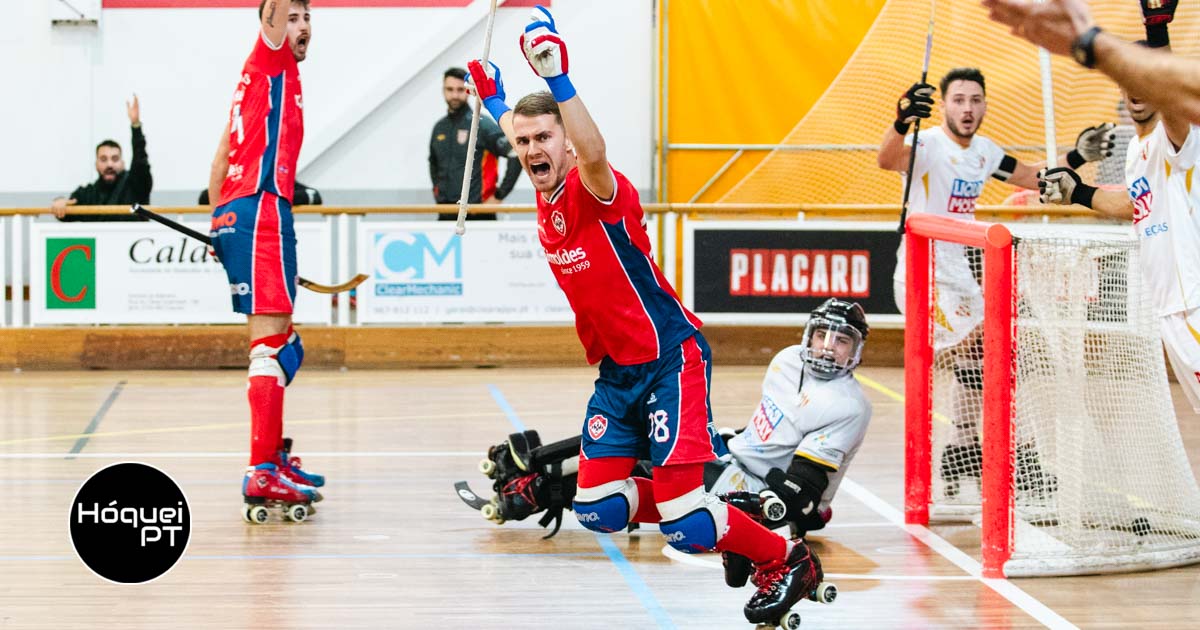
372	91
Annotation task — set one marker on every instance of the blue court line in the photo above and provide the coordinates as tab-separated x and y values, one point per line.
635	581
513	418
346	556
91	427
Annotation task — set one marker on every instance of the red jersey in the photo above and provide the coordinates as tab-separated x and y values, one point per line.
600	254
266	125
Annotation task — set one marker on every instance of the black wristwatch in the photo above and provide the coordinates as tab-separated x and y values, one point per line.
1084	48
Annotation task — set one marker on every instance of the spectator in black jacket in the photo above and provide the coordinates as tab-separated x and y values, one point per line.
115	186
448	151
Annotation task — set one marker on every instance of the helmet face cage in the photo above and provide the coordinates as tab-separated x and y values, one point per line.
822	361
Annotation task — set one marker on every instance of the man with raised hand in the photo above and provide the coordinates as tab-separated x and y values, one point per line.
652	394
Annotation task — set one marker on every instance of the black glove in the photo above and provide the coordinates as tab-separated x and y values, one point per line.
914	104
1063	186
1156	14
1092	145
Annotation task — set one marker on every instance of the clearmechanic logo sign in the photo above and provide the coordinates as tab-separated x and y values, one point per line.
130	523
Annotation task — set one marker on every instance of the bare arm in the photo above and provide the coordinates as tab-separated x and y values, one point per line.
590	151
220	167
274	21
894	155
1113	203
1169	82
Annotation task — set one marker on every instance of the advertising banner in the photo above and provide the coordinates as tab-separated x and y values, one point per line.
143	273
775	272
425	273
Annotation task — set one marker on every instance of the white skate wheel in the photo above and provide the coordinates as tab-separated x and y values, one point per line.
258	514
246	512
297	513
773	508
491	512
487	467
826	593
790	620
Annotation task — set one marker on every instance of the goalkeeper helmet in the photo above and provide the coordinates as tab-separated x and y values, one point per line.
833	338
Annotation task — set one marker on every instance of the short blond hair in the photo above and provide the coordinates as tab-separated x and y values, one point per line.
538	104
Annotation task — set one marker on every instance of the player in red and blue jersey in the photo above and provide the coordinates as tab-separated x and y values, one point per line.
252	179
652	396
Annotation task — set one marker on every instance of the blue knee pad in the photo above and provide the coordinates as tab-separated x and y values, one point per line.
694	533
291	357
609	514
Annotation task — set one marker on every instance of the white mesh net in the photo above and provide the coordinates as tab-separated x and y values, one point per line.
1101	479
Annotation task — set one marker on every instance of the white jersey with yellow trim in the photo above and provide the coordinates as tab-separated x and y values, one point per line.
823	420
947	180
1157	177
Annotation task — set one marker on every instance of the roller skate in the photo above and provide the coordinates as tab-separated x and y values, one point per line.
960	461
781	585
511	458
765	507
263	487
290	467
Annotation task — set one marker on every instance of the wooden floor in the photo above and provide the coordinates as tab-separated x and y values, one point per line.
393	547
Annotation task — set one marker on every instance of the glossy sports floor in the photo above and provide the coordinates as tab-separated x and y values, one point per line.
393	547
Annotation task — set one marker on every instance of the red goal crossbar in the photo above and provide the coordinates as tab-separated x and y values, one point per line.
921	231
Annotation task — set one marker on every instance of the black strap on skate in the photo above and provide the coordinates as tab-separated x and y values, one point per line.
557	503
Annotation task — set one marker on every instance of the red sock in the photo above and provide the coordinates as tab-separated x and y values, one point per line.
266	410
747	537
647	511
602	470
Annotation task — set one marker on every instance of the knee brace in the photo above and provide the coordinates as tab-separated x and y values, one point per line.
282	362
694	522
606	507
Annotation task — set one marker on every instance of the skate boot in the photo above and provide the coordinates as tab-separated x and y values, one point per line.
782	584
960	461
521	497
1031	477
738	569
511	458
289	467
263	487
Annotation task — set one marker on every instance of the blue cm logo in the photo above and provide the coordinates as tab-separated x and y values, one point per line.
401	256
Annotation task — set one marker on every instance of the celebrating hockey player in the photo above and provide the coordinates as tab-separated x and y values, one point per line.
655	366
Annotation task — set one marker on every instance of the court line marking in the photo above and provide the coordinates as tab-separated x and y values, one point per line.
242	454
341	556
710	561
1006	589
214	426
91	427
624	567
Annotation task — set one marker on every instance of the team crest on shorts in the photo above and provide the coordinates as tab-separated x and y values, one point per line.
559	222
597	425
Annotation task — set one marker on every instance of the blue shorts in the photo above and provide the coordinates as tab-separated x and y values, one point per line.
256	242
658	410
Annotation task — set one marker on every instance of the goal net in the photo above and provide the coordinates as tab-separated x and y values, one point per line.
1038	401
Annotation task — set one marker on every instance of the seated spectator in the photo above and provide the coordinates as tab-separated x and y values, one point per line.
114	185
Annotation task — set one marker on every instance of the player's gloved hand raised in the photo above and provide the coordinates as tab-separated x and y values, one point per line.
914	104
546	53
1155	12
1062	186
1093	144
488	86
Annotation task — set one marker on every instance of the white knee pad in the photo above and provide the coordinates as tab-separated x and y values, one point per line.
694	522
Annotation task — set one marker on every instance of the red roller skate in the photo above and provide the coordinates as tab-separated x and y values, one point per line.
264	487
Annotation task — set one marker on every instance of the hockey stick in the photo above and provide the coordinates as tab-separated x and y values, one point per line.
912	156
460	227
315	287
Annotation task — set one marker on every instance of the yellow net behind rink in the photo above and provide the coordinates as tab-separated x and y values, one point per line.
839	134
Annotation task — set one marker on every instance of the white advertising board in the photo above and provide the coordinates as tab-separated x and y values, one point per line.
144	273
425	273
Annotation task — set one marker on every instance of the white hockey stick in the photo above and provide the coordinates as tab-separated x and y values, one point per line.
463	201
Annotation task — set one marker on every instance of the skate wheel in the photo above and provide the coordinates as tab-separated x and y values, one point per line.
246	512
296	513
492	513
773	508
257	514
487	467
790	620
825	593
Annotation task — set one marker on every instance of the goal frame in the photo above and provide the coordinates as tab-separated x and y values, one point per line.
999	319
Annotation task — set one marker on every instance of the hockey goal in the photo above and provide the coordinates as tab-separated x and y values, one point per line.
1049	422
